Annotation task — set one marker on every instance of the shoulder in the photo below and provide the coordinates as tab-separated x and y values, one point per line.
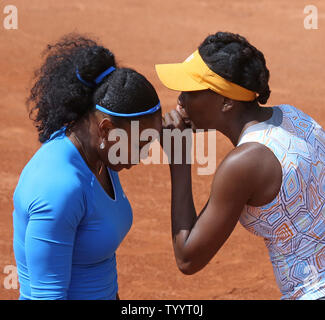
249	156
42	176
56	165
51	182
246	169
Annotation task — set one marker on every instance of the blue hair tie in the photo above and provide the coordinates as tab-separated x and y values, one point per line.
86	83
97	81
100	78
128	115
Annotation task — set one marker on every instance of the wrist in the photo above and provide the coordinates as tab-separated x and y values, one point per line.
180	172
183	167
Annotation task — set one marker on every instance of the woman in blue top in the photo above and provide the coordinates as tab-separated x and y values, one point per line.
70	212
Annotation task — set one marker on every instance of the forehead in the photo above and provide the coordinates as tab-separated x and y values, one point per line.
146	122
201	94
192	99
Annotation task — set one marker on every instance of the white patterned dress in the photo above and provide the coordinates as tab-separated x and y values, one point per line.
293	224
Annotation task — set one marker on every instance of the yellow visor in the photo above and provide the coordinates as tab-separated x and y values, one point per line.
194	75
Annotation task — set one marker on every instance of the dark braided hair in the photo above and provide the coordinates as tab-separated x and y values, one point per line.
232	57
58	98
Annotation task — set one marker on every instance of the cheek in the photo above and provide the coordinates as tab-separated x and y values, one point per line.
194	108
203	115
195	115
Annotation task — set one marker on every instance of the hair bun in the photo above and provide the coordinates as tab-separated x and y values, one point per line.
232	57
247	52
58	97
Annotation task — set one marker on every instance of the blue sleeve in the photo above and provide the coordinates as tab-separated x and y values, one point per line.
53	220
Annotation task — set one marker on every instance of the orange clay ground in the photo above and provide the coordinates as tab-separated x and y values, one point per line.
142	33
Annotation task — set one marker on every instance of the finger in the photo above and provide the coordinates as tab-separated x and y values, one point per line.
184	115
168	121
182	111
178	121
181	121
177	118
184	122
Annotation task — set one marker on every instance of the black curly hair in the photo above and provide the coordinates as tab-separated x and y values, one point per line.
232	57
58	98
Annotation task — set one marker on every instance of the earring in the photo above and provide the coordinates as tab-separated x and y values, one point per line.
102	145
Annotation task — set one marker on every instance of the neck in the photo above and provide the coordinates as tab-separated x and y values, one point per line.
243	117
80	136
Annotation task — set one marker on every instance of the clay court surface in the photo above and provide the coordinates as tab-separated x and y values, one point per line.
142	33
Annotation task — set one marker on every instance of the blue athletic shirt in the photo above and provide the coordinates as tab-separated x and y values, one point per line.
66	227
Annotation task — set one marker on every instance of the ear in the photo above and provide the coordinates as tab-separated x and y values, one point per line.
104	126
228	105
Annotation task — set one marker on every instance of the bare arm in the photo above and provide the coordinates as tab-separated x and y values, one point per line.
197	239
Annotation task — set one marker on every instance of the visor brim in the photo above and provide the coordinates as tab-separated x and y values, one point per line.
174	77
